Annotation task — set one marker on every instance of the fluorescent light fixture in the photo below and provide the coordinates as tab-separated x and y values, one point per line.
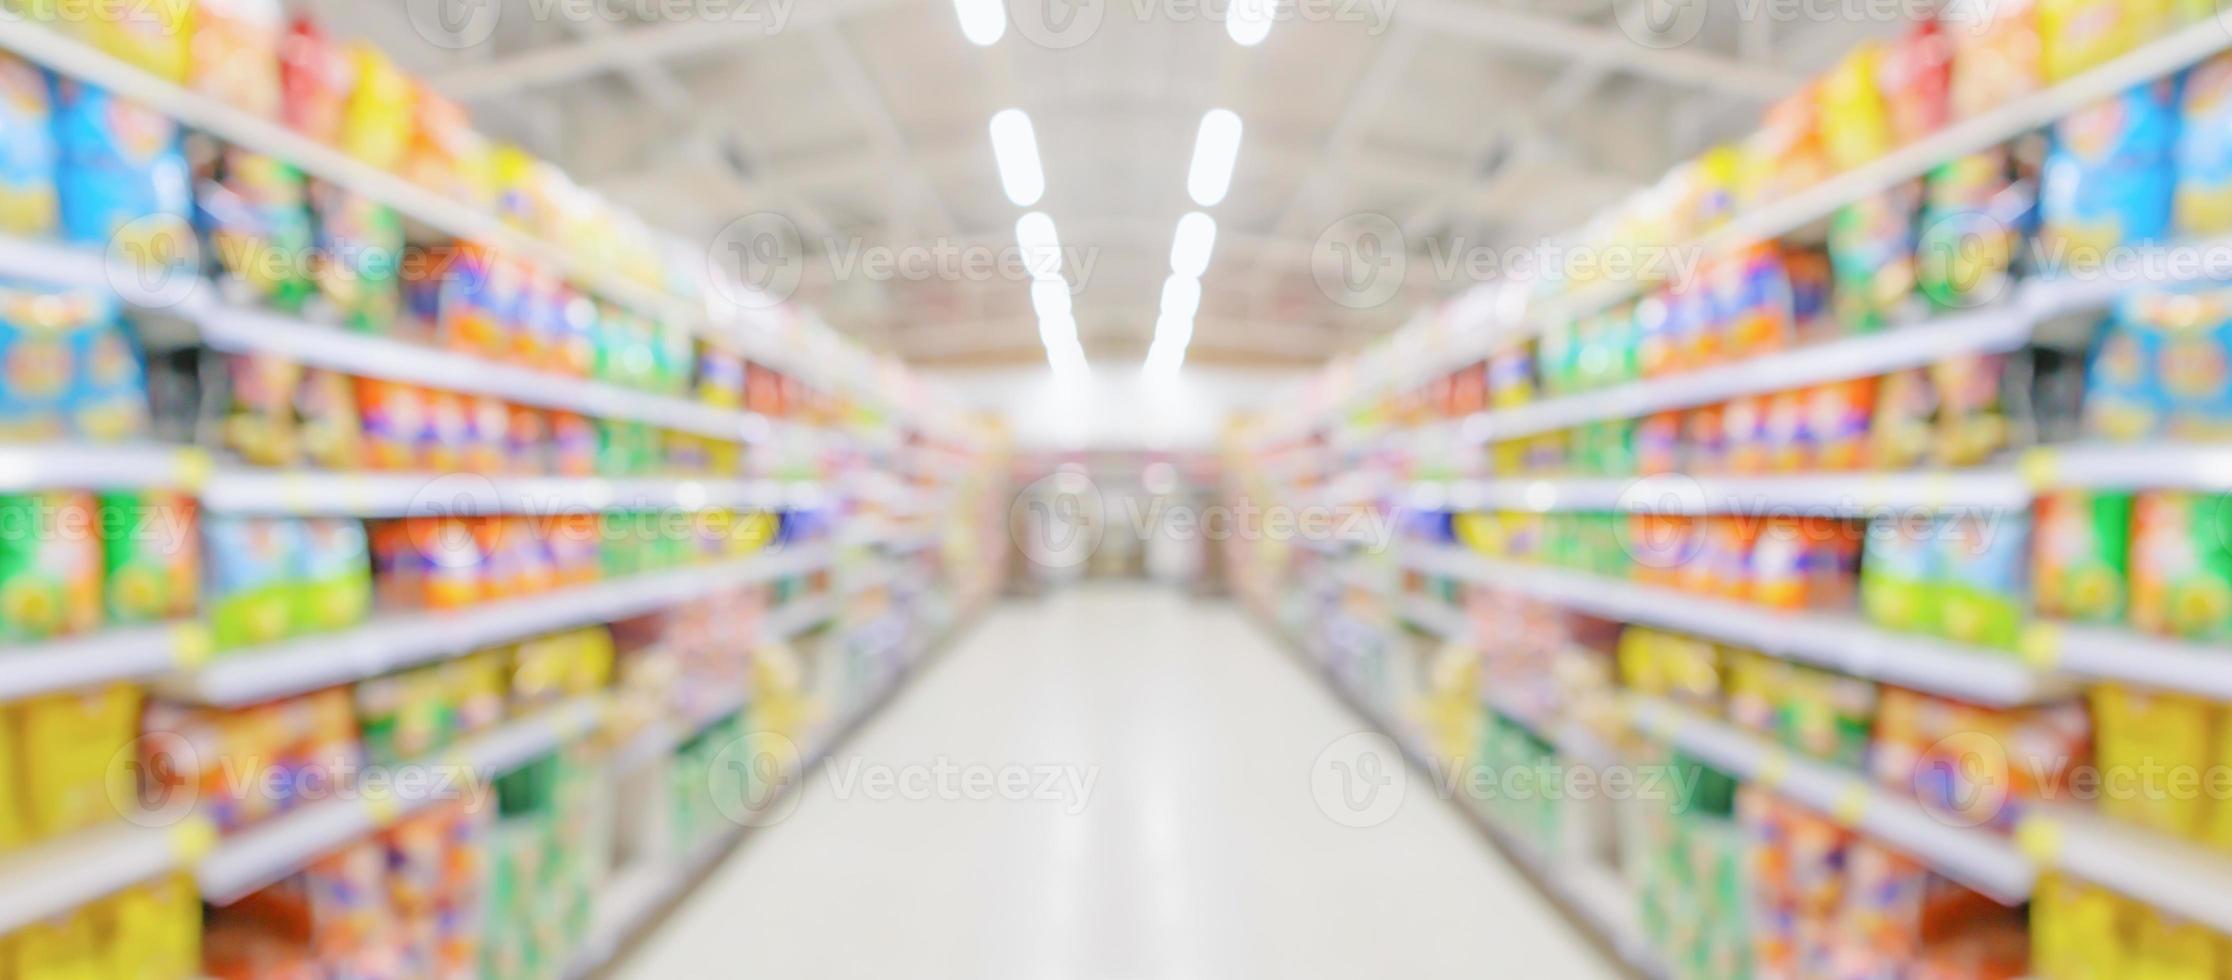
1173	331
1181	296
1058	331
1050	298
1216	148
982	21
1163	361
1015	149
1249	21
1191	247
1041	245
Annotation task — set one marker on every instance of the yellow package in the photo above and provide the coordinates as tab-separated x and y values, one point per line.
155	931
377	126
2076	931
1855	126
2075	36
70	745
155	36
2142	737
2165	948
15	830
2220	817
65	948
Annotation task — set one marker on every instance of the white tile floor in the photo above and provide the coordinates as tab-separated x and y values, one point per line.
1198	852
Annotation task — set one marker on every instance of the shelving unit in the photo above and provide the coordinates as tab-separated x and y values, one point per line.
53	877
1854	494
312	493
119	654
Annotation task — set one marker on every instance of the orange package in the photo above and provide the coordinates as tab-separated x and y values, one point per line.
1744	429
1837	417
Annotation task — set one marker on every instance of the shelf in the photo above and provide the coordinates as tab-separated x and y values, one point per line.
2134	466
659	739
272	850
2126	656
798	616
1855	494
368	494
26	467
1836	642
52	877
1994	330
79	662
1435	616
2181	878
393	643
1982	860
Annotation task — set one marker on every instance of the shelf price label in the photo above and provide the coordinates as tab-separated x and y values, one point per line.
1852	805
2041	469
192	841
2042	646
191	646
2040	839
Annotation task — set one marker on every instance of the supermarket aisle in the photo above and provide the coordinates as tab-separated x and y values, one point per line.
1198	852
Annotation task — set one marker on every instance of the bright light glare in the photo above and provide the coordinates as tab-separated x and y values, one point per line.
1216	148
1173	331
1041	245
1181	297
1191	247
1163	362
1050	298
1058	331
1249	21
1015	149
982	21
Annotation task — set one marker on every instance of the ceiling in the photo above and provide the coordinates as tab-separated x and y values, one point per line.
862	123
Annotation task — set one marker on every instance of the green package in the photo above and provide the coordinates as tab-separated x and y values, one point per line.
148	559
2181	566
49	566
1982	583
333	578
2083	557
1895	571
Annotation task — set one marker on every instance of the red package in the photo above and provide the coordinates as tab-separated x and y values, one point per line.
1468	391
1915	78
315	79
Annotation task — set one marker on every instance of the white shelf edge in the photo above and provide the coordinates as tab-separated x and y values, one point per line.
1980	859
52	877
2179	877
2128	656
799	616
78	662
28	467
395	643
268	852
2151	465
1436	617
1858	493
1841	643
378	494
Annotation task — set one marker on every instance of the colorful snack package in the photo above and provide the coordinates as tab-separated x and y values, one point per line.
122	183
1658	444
1974	224
395	417
151	560
67	946
1838	415
28	206
2083	556
360	258
2203	205
488	436
260	425
236	53
108	400
1916	76
50	565
2142	733
1972	420
2075	36
1871	255
482	300
2194	377
446	434
1995	53
37	364
15	809
155	930
376	126
1705	439
250	565
1790	440
315	79
2181	565
1983	578
1785	154
2110	177
1898	567
254	214
333	576
1855	124
1744	428
69	743
1752	295
331	432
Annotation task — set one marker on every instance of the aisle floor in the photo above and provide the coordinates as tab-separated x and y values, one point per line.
1180	837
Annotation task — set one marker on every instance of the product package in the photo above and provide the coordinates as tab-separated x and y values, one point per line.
50	566
2109	179
2181	565
28	206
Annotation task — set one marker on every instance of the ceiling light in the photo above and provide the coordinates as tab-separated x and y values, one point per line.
1181	296
1248	21
1216	147
1190	249
1050	298
1042	247
982	21
1173	331
1015	149
1058	331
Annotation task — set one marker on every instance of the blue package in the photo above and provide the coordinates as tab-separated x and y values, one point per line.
2204	153
2110	178
39	348
122	172
27	154
107	401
